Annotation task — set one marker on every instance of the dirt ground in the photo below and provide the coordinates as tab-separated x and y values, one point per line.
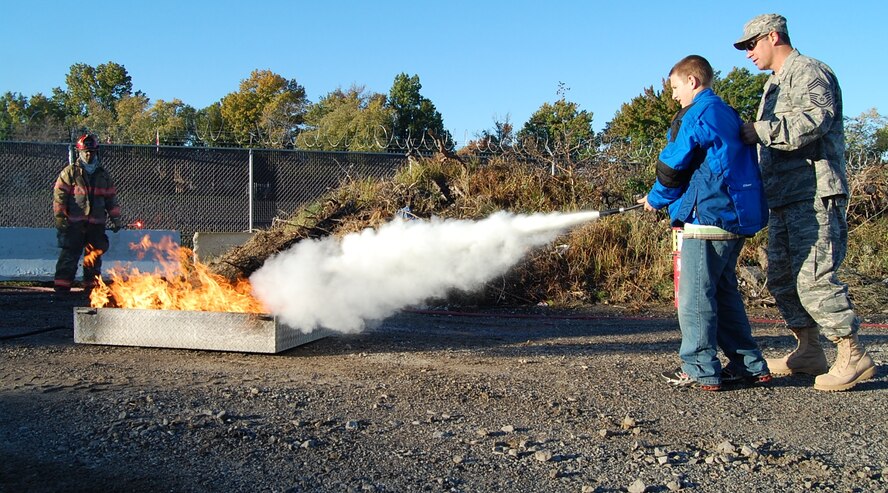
489	401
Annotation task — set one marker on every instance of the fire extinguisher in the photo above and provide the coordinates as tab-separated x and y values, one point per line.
676	259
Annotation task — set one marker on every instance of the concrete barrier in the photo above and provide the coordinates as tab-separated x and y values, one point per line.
209	246
31	253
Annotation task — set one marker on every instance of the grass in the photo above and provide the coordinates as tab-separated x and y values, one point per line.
624	259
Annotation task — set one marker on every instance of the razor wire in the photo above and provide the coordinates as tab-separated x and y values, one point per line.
218	189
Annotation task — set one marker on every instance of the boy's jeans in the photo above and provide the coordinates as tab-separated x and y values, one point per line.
711	312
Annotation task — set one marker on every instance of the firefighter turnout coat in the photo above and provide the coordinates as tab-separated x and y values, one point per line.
80	197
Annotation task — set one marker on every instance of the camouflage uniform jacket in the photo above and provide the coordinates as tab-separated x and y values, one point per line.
800	125
79	196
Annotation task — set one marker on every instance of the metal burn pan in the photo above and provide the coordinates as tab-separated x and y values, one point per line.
180	329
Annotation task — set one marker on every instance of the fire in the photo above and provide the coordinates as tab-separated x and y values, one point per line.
181	283
92	253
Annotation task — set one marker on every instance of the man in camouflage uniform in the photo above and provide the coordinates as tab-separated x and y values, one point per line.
801	140
83	198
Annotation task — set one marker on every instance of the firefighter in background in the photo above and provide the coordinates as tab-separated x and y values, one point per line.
83	198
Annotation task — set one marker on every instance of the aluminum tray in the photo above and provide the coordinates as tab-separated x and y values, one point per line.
217	331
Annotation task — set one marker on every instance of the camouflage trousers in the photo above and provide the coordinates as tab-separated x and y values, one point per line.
807	242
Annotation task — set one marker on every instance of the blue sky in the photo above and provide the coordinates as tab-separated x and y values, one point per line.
477	60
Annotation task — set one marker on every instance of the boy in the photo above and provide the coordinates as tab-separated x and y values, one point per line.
711	184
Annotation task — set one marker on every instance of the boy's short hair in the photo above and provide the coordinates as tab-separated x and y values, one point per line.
696	66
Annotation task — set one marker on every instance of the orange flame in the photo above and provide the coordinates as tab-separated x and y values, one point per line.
92	253
180	283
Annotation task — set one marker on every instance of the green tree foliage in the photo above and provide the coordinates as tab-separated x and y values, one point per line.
7	121
742	90
100	121
559	124
267	110
139	123
170	124
350	120
37	118
92	89
206	127
866	139
43	110
415	118
559	132
881	140
129	123
643	121
13	113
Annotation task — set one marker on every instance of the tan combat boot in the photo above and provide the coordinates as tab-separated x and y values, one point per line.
852	365
807	357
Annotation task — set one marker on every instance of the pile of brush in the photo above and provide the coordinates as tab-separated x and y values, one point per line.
623	259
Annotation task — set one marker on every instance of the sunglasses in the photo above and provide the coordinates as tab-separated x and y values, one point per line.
751	44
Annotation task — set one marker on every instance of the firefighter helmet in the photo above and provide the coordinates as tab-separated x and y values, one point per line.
87	142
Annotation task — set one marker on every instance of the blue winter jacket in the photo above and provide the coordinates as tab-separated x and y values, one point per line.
706	174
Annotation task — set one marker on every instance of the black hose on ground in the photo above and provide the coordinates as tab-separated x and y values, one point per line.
35	332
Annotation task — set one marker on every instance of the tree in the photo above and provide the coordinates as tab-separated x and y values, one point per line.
137	123
267	110
560	124
416	121
866	139
206	126
100	121
169	119
560	131
742	91
45	111
497	141
37	118
348	121
643	121
881	141
93	89
131	123
12	110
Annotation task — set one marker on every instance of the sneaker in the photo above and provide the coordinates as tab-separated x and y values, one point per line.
730	376
679	378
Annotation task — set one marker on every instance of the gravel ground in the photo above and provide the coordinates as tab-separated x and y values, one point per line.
499	401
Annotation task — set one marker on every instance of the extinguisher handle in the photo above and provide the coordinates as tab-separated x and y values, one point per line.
610	212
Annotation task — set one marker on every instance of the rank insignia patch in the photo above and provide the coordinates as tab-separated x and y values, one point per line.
818	91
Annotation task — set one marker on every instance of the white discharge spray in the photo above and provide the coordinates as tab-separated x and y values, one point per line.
365	277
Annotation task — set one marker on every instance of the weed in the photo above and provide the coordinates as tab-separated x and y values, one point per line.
623	259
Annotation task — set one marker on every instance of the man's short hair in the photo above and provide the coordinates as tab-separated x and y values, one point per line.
696	66
785	38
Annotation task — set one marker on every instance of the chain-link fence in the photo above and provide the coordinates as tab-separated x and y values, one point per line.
186	189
